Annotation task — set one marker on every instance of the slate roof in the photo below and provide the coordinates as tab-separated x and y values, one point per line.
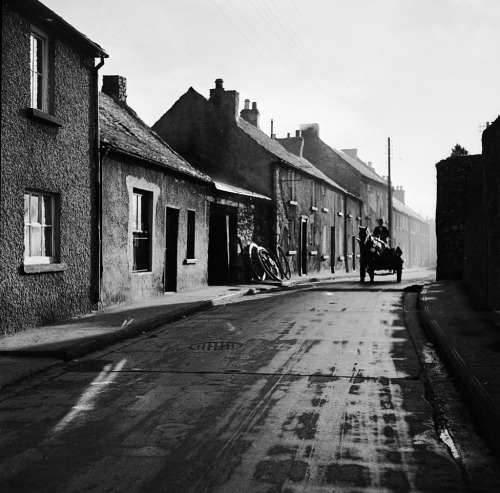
122	130
275	148
363	168
404	209
57	23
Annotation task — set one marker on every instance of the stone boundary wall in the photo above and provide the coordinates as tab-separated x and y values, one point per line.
452	179
482	239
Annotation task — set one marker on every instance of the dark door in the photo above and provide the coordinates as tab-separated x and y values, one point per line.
333	258
354	252
303	247
222	245
171	234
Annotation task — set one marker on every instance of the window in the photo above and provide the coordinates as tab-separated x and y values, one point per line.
141	230
40	228
39	67
291	180
191	235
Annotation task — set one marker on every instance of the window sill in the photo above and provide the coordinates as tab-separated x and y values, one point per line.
41	268
190	261
44	117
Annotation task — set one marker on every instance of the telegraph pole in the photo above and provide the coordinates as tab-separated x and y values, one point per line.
389	192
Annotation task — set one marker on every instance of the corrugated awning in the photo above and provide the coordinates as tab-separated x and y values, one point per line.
224	187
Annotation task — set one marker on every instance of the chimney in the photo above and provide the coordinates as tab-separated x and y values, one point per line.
351	152
115	86
250	115
225	102
370	164
399	193
298	133
309	129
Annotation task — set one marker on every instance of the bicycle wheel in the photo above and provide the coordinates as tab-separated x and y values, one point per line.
283	263
256	267
269	263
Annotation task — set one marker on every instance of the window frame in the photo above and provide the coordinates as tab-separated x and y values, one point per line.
142	226
53	258
191	235
43	91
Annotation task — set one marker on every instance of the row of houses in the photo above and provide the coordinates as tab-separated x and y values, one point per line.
116	211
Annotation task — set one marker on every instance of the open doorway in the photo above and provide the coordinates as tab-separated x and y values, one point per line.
222	245
303	247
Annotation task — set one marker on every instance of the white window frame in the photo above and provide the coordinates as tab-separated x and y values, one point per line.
30	225
35	82
142	203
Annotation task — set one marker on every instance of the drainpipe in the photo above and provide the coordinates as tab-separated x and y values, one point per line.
97	152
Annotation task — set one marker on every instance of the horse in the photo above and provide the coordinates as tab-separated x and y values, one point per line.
376	255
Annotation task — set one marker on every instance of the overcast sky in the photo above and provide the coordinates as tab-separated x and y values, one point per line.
425	73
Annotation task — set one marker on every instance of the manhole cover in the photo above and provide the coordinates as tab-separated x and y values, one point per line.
215	346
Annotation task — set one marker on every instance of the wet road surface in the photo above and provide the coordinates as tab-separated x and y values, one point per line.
314	390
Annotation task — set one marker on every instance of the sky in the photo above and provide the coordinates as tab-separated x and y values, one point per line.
424	73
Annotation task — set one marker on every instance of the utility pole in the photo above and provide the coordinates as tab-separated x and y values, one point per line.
272	130
389	192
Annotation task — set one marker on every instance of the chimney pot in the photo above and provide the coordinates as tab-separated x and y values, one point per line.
297	133
218	83
254	106
288	135
247	104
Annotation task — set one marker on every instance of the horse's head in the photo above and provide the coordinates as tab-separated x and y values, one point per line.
363	234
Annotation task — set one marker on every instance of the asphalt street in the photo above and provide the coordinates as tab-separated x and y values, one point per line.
331	388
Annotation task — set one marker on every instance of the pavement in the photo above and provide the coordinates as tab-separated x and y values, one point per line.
466	338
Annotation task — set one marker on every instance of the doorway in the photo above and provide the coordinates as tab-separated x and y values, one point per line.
333	258
222	245
171	236
303	247
354	242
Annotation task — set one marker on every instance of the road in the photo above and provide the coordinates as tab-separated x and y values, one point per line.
329	388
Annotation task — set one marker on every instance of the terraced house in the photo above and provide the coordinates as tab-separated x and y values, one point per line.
50	168
310	216
409	230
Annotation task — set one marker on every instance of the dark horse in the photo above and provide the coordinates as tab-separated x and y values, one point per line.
376	255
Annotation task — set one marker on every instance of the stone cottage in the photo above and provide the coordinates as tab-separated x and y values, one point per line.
303	217
155	209
50	168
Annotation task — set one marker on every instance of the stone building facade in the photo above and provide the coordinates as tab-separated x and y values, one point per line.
229	146
155	211
49	172
410	231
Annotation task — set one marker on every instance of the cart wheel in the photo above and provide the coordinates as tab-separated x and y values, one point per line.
269	263
253	259
283	264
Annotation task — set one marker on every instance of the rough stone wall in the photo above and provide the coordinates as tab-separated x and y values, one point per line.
42	157
325	228
120	176
482	239
452	177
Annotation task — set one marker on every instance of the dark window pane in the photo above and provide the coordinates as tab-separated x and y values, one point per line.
47	241
46	210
